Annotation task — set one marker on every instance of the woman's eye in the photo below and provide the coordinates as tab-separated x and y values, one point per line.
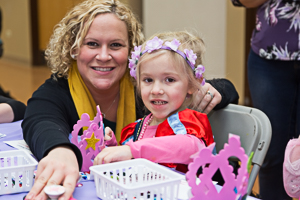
92	44
116	45
170	80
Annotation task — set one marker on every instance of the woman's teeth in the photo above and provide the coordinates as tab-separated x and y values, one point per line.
105	69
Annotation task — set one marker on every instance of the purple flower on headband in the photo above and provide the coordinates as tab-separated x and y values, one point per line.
173	45
136	54
132	63
199	70
133	72
190	55
153	44
203	82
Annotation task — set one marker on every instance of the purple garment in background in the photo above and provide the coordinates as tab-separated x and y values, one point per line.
276	35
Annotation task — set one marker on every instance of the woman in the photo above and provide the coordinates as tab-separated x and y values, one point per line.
88	55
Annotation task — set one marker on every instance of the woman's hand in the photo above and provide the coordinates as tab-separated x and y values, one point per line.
208	97
113	154
60	166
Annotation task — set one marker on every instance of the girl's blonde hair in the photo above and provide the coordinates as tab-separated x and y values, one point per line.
188	41
70	32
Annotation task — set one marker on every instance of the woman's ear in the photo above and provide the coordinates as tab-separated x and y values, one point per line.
74	53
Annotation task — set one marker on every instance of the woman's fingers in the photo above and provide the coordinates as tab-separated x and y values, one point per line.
69	183
208	97
215	98
43	174
60	166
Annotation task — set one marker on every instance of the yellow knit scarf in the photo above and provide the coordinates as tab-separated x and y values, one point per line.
85	103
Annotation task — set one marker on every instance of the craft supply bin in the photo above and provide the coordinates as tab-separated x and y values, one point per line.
16	171
135	179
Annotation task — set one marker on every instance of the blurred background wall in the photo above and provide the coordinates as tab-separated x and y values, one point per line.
16	34
28	24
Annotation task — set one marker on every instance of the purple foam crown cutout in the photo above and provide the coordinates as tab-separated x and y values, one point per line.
91	142
235	187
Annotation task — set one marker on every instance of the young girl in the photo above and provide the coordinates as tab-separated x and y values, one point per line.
168	73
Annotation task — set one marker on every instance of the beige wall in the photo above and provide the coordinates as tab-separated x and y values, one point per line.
235	48
215	21
47	18
16	33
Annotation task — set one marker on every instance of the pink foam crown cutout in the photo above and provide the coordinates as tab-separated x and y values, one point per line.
91	142
235	187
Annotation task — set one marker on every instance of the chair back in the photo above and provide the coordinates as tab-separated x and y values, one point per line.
253	127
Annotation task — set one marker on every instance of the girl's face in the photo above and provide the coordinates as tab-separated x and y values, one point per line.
102	58
164	87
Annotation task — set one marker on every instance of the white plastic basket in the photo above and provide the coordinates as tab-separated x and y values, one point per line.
16	171
140	180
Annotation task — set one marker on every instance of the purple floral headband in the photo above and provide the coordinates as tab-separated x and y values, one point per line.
156	44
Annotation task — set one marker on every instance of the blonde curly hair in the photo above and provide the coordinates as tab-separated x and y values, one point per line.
70	32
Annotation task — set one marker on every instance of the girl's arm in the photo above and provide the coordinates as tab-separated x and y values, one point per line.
167	149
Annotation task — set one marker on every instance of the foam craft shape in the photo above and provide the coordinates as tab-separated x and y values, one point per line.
234	187
93	133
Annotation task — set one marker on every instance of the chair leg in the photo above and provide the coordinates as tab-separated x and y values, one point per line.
252	177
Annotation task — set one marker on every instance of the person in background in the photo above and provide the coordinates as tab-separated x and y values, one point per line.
11	110
274	81
168	73
88	55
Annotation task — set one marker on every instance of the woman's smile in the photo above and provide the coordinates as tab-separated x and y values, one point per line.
103	69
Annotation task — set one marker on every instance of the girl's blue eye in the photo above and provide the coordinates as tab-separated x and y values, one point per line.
170	80
147	80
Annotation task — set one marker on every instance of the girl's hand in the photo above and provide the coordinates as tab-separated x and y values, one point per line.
113	154
60	166
208	97
108	134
